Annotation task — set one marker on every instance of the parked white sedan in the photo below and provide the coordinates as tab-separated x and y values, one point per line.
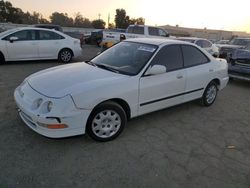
203	43
130	79
30	43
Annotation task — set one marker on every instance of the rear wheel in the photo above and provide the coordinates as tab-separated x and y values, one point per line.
65	55
210	94
106	122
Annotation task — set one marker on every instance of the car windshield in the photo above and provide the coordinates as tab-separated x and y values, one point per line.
7	32
240	42
125	57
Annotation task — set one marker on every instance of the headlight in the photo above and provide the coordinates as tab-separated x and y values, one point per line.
37	103
49	106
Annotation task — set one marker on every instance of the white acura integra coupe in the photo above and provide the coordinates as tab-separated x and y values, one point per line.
132	78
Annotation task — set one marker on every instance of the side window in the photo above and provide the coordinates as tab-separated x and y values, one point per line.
193	56
49	35
24	35
138	30
153	31
163	33
169	56
206	44
199	43
130	30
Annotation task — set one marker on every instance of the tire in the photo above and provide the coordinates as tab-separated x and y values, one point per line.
2	59
209	94
65	55
106	122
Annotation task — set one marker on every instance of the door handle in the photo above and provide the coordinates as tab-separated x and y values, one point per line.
179	77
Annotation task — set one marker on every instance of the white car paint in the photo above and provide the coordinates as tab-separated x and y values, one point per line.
111	38
212	48
75	96
36	49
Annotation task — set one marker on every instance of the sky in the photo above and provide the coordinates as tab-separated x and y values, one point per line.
212	14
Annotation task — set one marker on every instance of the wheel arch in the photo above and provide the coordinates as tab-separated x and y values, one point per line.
66	48
217	81
121	102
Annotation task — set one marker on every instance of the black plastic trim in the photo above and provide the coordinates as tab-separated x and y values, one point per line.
170	97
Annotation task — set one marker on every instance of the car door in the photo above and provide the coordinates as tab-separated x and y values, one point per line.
198	70
49	44
25	47
163	90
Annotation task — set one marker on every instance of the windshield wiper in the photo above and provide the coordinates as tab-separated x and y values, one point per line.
90	63
107	68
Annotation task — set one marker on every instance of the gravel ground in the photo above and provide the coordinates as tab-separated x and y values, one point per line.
186	146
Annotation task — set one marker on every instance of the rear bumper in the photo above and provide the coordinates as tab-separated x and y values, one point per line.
224	83
77	52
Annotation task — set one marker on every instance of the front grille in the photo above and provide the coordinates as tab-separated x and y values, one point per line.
243	63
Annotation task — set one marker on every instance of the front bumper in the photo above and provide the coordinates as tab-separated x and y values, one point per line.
74	119
239	72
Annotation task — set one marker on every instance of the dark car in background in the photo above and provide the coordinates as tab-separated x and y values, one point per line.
95	37
239	64
226	51
77	35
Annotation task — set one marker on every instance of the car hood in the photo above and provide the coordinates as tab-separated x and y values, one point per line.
57	82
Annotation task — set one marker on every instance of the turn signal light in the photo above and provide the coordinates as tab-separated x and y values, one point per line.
57	126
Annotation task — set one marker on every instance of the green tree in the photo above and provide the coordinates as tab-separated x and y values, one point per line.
8	13
111	26
80	21
121	19
98	24
61	19
138	21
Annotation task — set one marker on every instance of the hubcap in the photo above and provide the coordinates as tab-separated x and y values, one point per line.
65	56
106	123
211	94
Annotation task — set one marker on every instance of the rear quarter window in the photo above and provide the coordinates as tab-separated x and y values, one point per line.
193	56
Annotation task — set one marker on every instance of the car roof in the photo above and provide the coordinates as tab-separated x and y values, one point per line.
30	27
191	38
9	31
157	41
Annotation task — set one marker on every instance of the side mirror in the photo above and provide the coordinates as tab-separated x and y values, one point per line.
156	69
122	37
12	39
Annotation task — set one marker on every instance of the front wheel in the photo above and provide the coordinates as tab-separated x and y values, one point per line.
65	56
210	94
106	122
